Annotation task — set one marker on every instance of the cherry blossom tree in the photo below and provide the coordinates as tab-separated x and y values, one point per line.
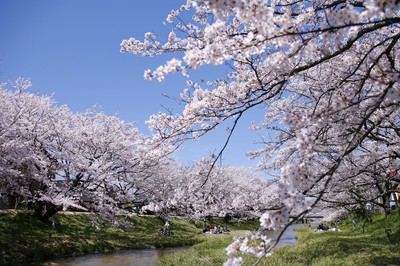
28	167
54	159
326	72
230	192
373	184
107	161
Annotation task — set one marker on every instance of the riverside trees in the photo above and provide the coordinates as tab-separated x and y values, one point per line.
53	159
326	72
229	192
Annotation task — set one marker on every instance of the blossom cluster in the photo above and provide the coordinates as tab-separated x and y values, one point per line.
53	158
327	75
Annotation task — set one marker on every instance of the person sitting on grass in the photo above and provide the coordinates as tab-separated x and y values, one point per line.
322	227
211	228
167	228
319	227
217	229
225	229
206	228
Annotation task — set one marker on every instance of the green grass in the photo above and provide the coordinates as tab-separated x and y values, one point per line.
211	248
211	251
347	247
23	238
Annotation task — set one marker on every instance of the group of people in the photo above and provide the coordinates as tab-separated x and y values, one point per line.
324	227
215	229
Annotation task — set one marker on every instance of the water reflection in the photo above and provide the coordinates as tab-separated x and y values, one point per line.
288	238
145	257
148	257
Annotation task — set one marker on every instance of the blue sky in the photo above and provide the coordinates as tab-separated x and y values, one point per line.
70	49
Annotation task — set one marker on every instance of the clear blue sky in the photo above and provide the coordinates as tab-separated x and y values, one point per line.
70	49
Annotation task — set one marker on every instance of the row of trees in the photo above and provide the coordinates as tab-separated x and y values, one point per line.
229	192
327	74
53	159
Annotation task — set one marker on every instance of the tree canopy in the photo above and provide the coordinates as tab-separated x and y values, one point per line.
53	159
327	74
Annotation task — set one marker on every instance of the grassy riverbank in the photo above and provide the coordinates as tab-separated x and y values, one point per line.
211	251
347	247
23	238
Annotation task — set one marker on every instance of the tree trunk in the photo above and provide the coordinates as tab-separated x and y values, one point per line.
397	203
45	210
386	203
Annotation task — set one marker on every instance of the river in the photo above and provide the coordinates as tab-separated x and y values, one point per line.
141	257
145	257
288	238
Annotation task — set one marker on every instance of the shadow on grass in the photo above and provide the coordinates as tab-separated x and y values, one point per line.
384	260
23	238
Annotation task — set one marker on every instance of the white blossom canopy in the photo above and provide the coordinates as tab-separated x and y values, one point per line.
326	72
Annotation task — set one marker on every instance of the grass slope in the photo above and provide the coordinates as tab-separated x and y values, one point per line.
211	251
347	247
211	248
23	238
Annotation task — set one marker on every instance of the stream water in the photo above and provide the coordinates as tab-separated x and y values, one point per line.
142	257
146	257
288	238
